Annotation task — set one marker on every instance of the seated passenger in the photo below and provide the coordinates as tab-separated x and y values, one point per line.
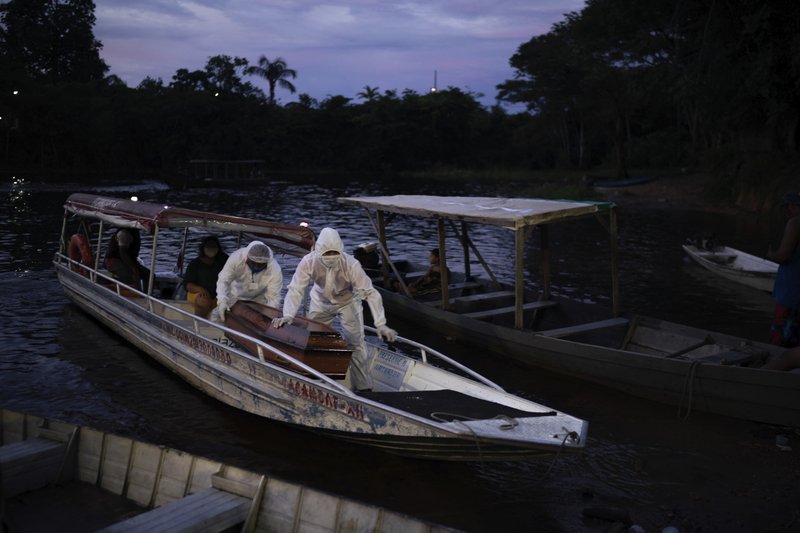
432	280
201	276
122	258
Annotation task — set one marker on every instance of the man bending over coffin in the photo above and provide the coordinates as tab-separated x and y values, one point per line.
340	284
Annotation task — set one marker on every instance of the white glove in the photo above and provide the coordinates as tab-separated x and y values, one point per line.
222	310
387	334
282	321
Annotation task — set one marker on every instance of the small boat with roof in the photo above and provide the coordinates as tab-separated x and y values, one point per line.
295	374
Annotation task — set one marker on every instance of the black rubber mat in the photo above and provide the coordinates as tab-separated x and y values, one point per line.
447	405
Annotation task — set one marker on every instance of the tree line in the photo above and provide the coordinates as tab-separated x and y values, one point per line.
618	85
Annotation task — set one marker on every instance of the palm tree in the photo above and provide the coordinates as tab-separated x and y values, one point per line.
369	93
276	73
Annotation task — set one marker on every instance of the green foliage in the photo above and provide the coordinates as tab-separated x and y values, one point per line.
52	40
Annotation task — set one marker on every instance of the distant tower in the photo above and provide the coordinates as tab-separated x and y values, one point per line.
433	89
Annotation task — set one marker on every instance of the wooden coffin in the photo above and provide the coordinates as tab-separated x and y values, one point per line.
312	343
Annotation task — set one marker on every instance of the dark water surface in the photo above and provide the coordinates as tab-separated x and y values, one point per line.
641	457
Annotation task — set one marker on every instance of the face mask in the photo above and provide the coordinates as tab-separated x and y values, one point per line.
255	268
330	261
210	251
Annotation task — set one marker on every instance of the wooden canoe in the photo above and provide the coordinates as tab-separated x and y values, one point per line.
735	265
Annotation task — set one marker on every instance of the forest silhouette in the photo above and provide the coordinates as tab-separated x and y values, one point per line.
619	85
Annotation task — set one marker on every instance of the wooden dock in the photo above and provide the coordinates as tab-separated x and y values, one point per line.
46	464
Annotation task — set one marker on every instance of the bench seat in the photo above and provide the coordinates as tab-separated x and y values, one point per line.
583	328
208	510
488	313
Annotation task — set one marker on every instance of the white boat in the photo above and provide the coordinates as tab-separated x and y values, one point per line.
58	476
249	369
692	368
735	265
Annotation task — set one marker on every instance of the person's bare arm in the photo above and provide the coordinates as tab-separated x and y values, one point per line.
789	241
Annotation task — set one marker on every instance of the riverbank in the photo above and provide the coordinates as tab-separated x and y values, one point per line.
681	191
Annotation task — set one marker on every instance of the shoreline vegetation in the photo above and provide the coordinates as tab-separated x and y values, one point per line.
668	188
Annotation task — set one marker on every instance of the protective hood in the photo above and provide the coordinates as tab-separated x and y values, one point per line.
329	240
259	252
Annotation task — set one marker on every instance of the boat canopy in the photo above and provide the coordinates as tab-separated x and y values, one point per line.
511	213
522	215
149	216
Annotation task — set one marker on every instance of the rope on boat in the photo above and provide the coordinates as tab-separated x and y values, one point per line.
688	387
568	434
472	432
508	424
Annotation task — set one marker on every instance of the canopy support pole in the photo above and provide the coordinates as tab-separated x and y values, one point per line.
151	280
443	264
545	261
464	246
615	300
380	231
519	281
97	251
477	254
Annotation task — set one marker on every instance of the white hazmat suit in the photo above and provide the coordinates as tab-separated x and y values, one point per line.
239	280
340	284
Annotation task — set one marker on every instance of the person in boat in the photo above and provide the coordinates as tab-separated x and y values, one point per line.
250	273
122	258
340	285
202	274
786	291
367	254
788	360
432	280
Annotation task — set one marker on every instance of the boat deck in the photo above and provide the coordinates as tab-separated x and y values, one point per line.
448	405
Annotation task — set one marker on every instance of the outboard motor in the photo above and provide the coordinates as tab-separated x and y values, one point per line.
367	254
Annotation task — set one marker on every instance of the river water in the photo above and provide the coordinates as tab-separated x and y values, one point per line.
641	457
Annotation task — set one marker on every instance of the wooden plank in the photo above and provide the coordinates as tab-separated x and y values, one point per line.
582	328
208	510
464	285
482	297
234	486
510	309
29	464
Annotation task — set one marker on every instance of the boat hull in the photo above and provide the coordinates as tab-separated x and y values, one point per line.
735	265
692	384
218	368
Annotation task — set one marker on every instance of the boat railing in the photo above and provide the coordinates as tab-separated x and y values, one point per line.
126	290
424	351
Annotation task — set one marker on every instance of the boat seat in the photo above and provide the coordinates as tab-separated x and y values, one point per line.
488	313
464	285
208	510
583	328
482	297
731	357
29	465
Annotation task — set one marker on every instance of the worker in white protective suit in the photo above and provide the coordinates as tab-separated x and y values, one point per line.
340	284
250	273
